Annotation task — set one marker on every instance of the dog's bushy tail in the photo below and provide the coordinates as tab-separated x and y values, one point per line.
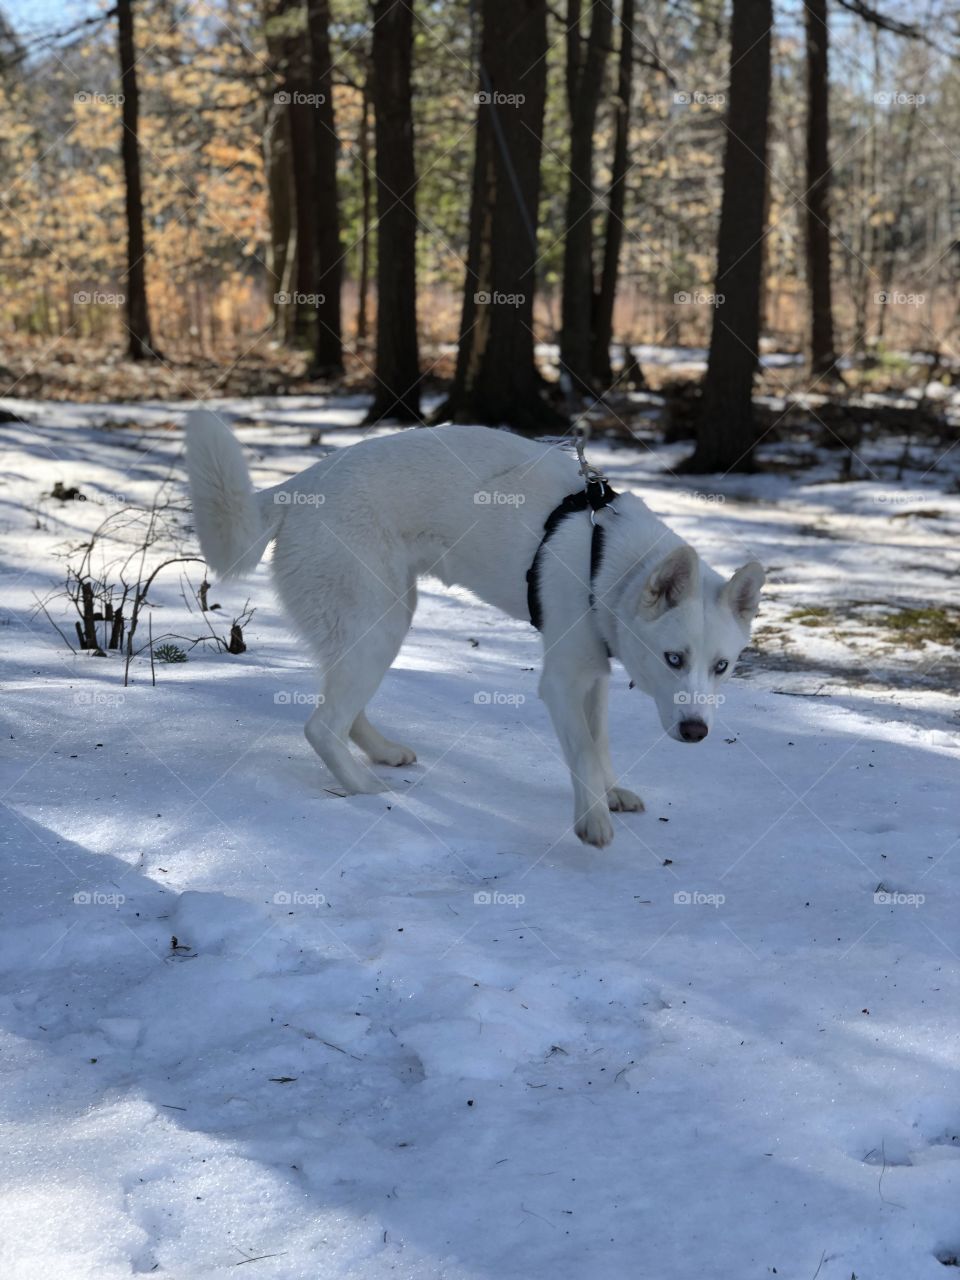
232	533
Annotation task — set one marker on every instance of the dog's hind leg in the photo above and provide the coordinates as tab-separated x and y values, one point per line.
369	739
350	681
619	799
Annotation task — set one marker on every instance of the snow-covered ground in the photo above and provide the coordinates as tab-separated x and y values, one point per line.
245	1021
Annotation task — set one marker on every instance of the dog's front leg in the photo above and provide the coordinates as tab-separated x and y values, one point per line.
619	799
564	691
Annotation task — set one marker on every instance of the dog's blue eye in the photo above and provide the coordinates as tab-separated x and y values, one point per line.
674	660
721	667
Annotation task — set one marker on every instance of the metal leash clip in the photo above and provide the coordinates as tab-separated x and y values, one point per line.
593	478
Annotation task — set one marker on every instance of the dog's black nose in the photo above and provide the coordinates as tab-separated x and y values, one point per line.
693	730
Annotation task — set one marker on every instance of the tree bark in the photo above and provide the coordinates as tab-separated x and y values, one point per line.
584	83
616	197
285	28
140	341
328	349
726	434
366	203
397	393
891	237
306	285
282	245
817	201
496	380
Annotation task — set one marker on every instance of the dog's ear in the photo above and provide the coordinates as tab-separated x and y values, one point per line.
742	592
675	577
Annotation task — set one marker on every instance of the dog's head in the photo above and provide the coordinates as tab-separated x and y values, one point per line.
680	630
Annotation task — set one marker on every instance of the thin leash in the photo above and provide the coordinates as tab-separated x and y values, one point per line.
592	478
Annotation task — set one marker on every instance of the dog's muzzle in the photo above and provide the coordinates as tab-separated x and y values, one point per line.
693	730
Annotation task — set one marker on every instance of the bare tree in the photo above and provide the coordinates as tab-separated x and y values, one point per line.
325	214
585	67
286	37
496	380
397	392
726	433
607	293
817	199
366	205
140	340
281	244
298	43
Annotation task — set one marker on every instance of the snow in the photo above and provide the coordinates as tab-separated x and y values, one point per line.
428	1034
688	359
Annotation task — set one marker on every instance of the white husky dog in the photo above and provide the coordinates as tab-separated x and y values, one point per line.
468	505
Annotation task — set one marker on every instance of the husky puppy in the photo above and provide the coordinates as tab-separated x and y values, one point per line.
468	505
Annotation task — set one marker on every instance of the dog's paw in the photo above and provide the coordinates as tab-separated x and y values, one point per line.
369	786
621	800
595	827
395	754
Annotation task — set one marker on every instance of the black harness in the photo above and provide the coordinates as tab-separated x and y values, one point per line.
595	496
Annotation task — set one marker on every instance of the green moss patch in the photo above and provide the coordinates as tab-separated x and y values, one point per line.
918	626
811	616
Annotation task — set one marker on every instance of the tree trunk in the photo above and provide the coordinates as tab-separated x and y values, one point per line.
397	393
822	352
496	380
892	233
726	433
140	343
616	197
302	301
325	221
285	28
866	178
584	83
363	280
281	246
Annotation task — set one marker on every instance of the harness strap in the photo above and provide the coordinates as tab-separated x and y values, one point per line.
596	495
